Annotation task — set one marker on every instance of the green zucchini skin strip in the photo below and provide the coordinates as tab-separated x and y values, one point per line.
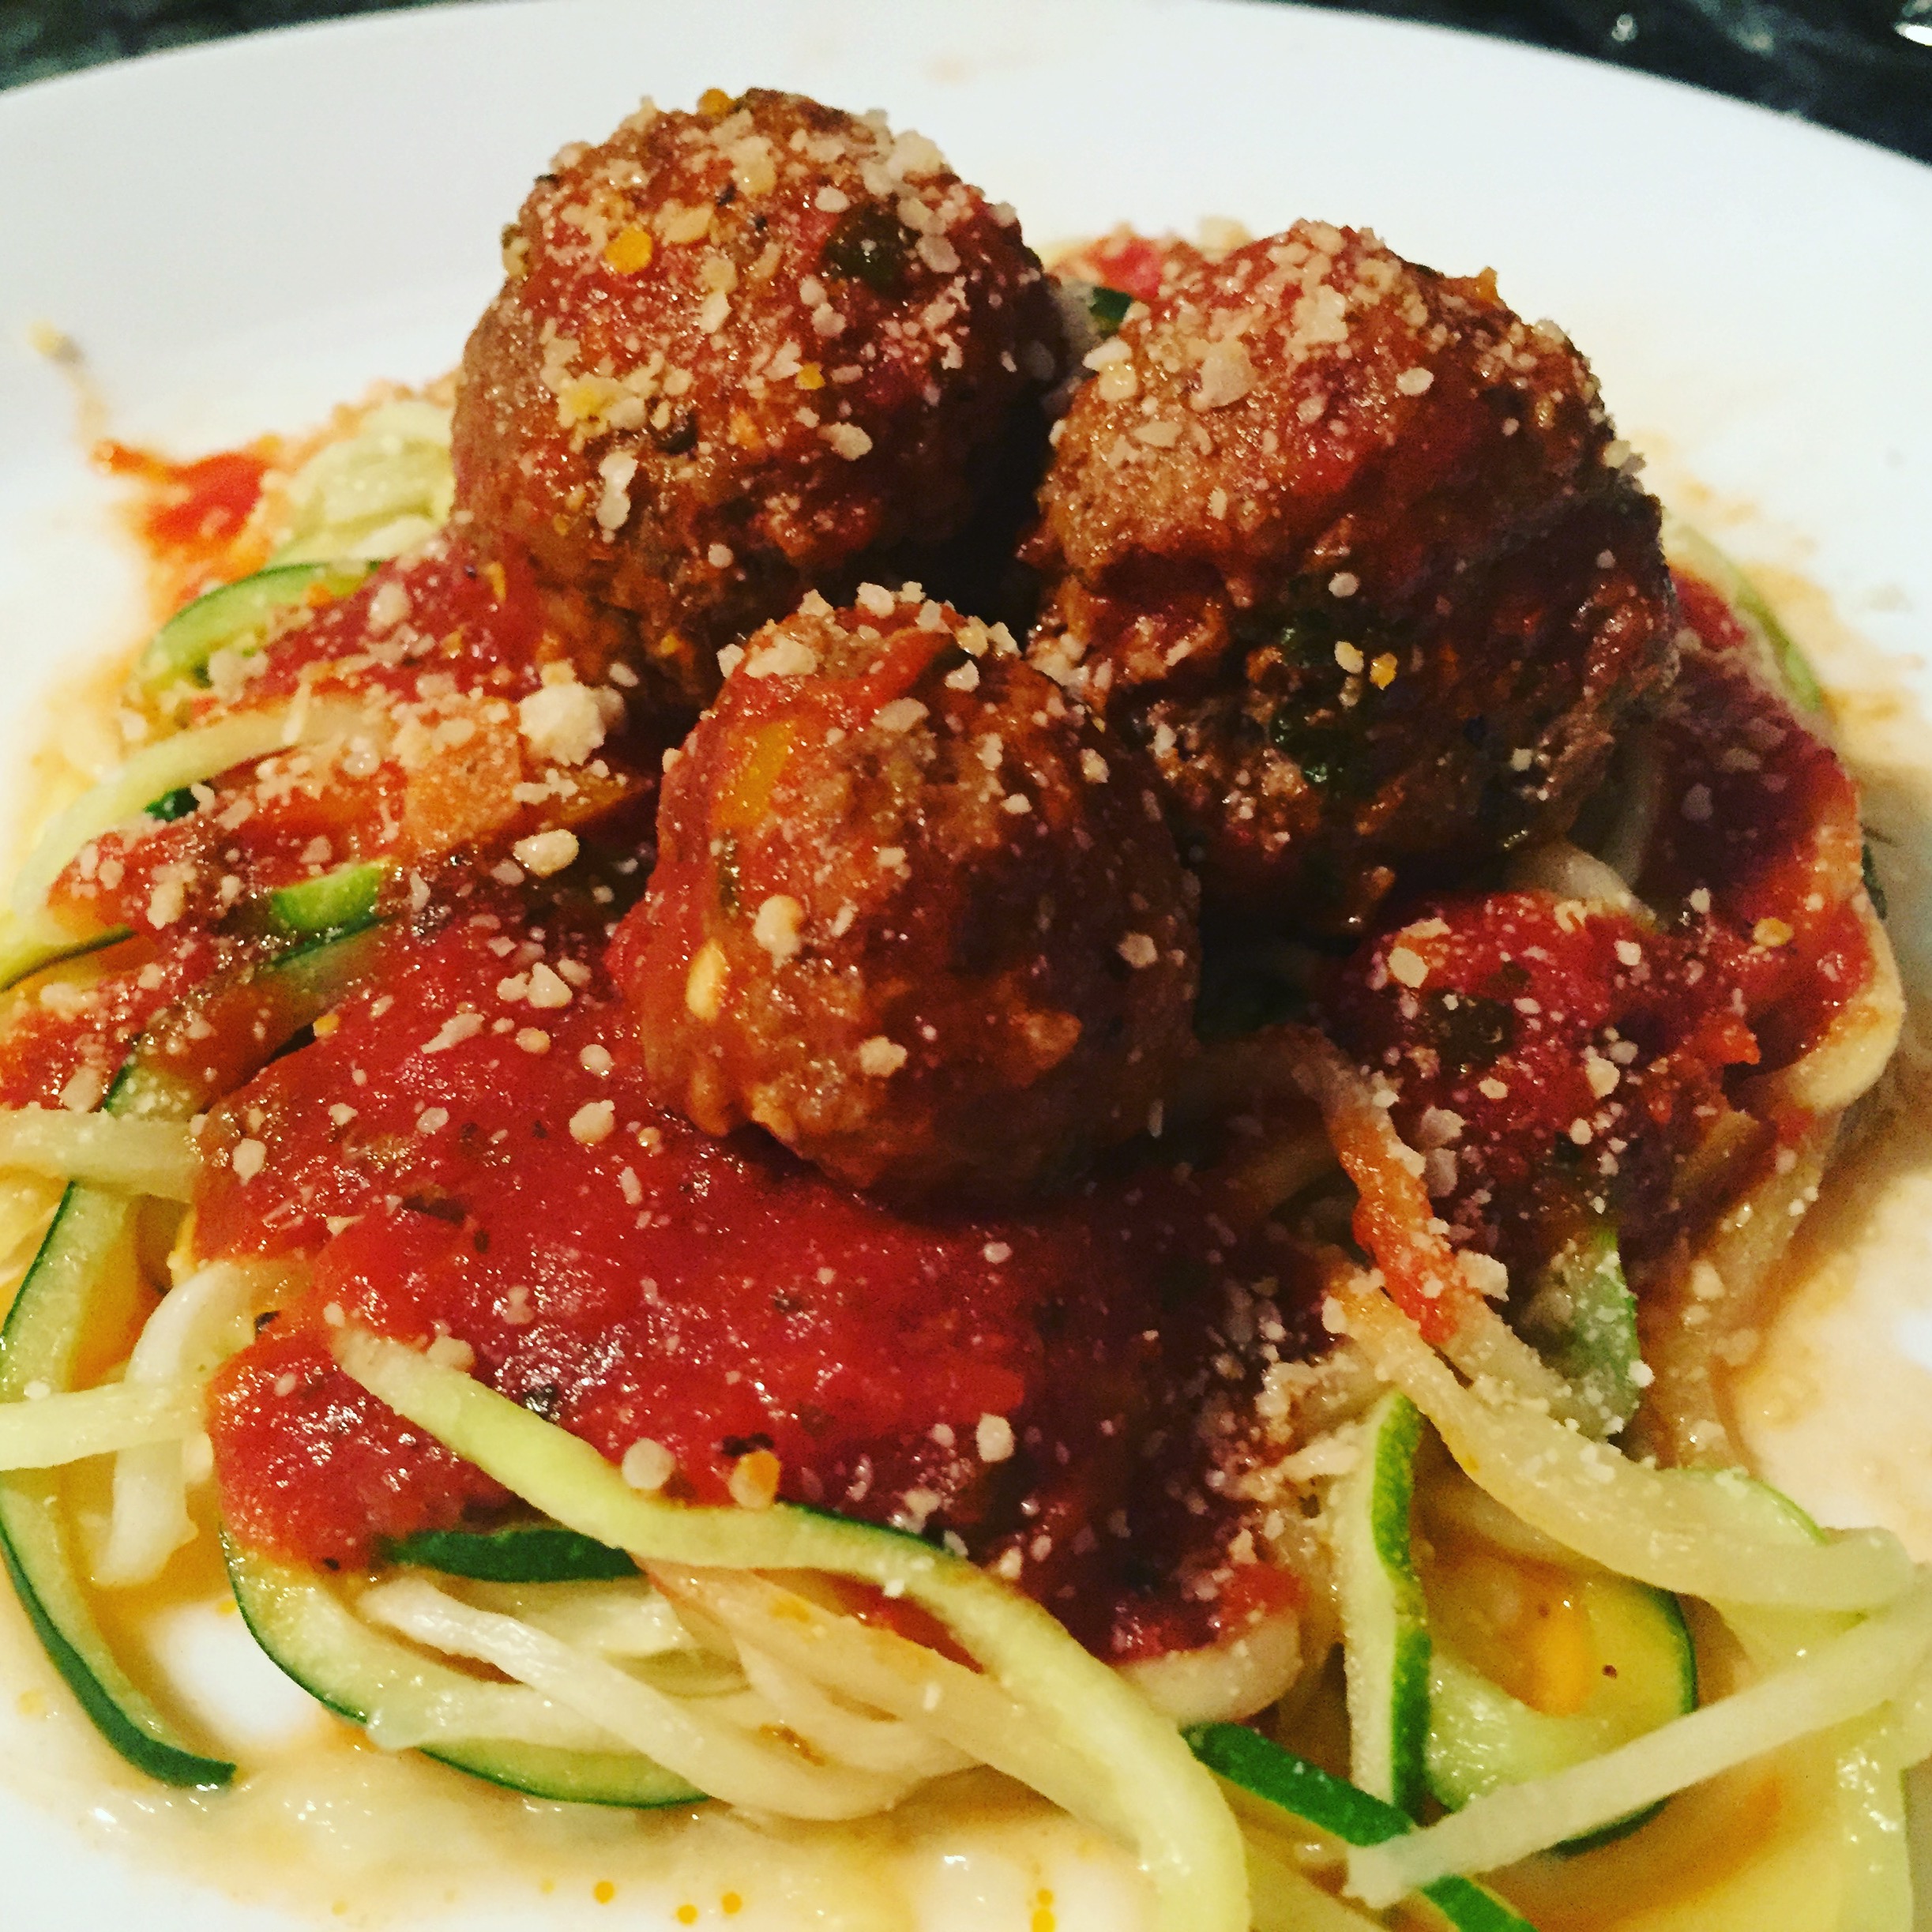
1477	1727
1689	548
525	1553
1145	1780
21	958
1384	1619
348	1666
340	901
1343	1810
42	1335
38	1343
183	646
172	805
1594	1347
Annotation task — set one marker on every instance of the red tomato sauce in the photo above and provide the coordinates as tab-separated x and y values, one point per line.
1758	830
1026	1385
190	514
1554	1064
1557	1064
63	1046
1706	611
448	646
437	610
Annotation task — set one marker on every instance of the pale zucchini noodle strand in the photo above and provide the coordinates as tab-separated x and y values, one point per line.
137	1156
1839	1682
731	1763
1388	1173
1133	1766
200	1322
1677	1530
46	1431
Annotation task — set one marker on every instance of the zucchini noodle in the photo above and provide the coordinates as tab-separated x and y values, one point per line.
1397	1224
418	1703
1139	1771
1639	784
189	758
137	1156
1676	1530
1700	1306
1234	1678
1839	1682
1569	872
26	1202
376	492
889	1673
728	1762
1845	1064
616	1621
43	1432
1699	1301
200	1323
834	1731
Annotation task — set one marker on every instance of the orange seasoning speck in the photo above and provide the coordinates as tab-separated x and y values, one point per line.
629	250
687	1915
731	1904
604	1892
1043	1919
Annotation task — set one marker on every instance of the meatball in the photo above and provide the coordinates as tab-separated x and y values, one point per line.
735	351
915	912
1350	546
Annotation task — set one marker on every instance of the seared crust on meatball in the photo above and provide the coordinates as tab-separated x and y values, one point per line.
911	912
1349	546
736	350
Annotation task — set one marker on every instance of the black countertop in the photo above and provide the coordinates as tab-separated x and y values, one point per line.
1862	66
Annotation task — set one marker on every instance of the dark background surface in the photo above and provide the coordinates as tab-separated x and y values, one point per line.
1862	66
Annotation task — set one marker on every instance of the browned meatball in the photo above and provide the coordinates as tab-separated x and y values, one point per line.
1350	546
737	351
912	911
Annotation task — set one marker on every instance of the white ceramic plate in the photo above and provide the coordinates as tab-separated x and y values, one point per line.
240	235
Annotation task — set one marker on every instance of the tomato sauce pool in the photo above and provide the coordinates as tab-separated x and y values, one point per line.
191	516
467	1159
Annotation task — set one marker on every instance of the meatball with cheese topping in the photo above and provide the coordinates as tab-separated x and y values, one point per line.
1350	546
736	352
913	912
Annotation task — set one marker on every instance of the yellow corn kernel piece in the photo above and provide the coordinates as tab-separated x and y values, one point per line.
809	376
1382	672
714	103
